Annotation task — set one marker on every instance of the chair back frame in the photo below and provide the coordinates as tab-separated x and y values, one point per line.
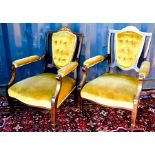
77	51
112	46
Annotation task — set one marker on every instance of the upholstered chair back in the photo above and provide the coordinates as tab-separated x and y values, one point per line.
128	48
63	47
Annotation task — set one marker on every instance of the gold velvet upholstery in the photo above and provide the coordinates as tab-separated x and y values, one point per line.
128	48
67	69
144	69
39	90
93	61
49	90
113	90
63	47
116	90
24	61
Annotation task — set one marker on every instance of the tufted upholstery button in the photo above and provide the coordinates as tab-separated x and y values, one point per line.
127	41
130	59
65	42
132	42
123	49
60	41
121	41
119	56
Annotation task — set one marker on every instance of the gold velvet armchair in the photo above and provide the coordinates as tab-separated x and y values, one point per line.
125	48
49	90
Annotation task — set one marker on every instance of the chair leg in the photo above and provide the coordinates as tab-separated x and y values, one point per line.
134	115
11	103
53	115
80	102
75	96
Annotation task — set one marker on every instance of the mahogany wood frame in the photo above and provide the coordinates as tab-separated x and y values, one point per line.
48	67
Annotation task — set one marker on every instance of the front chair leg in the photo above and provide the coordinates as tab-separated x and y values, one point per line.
134	114
53	116
11	104
53	112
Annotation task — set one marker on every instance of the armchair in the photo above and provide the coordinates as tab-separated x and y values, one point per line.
49	90
125	48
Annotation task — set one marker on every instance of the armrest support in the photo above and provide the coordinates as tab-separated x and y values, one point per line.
143	72
27	60
93	61
144	69
89	63
67	69
62	72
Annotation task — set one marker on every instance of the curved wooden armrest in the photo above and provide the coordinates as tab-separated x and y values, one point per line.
89	63
93	61
67	69
144	69
22	62
27	60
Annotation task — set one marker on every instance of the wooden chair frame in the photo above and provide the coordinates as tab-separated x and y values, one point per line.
111	65
48	67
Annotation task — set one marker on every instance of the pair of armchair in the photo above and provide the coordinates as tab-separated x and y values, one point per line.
48	90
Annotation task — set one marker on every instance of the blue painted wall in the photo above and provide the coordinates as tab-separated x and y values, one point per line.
21	40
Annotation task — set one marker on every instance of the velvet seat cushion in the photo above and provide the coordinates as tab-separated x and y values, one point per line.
39	90
113	90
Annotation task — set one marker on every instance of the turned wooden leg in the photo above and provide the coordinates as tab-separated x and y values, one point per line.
53	115
133	119
134	114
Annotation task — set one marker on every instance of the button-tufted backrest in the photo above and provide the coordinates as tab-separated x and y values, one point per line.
128	47
63	47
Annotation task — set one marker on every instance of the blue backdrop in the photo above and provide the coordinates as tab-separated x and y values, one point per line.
21	40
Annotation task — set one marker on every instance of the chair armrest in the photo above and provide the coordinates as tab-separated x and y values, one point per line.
22	62
27	60
89	63
93	61
144	69
67	69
